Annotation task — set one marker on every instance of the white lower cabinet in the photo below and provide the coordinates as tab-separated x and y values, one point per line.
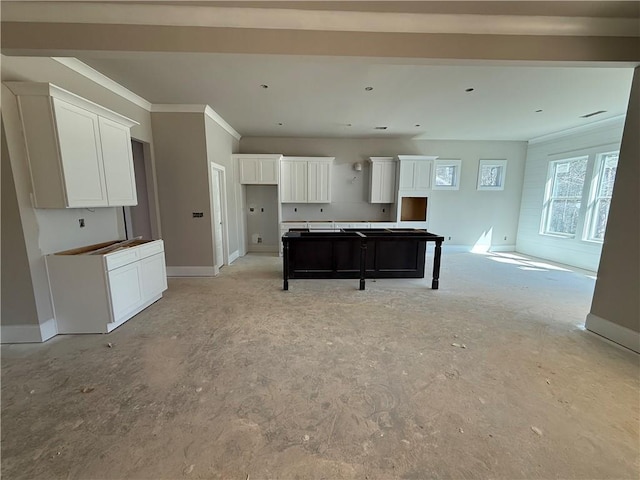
97	288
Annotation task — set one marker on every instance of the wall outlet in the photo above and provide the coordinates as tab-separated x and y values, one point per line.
505	237
259	239
81	222
449	238
198	214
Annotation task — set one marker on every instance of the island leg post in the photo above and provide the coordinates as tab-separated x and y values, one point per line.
285	266
435	282
363	262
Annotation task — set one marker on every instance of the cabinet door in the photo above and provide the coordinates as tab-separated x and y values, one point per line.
125	288
319	182
81	155
154	276
249	170
407	174
293	181
268	171
117	157
383	182
422	178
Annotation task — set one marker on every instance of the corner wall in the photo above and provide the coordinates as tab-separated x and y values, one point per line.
615	310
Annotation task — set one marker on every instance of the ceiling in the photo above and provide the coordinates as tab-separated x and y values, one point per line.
341	69
328	96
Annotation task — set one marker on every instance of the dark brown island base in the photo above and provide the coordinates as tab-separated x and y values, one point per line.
359	253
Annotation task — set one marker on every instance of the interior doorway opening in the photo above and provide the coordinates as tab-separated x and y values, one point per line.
220	236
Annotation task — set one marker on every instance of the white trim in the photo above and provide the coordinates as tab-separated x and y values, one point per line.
20	334
191	272
189	108
501	248
102	80
262	248
233	256
51	90
48	329
598	124
290	19
213	115
614	332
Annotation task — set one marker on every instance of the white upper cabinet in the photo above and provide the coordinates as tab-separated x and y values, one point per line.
415	174
79	153
293	181
319	181
259	169
305	179
382	185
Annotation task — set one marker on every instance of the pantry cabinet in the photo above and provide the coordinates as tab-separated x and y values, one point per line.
258	169
382	181
305	179
79	153
99	287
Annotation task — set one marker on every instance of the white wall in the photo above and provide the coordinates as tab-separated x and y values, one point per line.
263	220
220	145
600	137
615	311
465	215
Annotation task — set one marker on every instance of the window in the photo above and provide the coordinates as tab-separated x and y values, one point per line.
564	196
491	174
604	177
446	174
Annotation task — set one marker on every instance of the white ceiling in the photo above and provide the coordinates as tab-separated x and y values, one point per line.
320	96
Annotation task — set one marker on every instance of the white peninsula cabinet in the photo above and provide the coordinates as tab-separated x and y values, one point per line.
305	179
258	169
97	288
79	153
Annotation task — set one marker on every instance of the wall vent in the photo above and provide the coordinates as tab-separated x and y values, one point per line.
593	114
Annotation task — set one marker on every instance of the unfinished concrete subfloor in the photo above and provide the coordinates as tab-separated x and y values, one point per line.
233	378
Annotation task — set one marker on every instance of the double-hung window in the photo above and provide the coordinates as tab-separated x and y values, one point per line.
600	198
564	196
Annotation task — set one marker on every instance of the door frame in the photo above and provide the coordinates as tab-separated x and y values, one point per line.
223	206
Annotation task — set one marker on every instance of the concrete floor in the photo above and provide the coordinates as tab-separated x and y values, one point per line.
233	378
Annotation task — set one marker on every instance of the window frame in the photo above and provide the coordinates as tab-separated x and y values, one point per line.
502	164
595	197
548	196
444	162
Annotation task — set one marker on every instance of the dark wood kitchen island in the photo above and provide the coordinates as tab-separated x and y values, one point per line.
359	253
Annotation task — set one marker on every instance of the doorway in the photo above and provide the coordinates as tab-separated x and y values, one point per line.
219	216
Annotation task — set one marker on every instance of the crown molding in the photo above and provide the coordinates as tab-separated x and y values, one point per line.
190	108
102	80
606	122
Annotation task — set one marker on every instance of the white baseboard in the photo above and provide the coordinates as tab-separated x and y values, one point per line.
503	248
234	256
614	332
262	248
48	329
20	334
191	272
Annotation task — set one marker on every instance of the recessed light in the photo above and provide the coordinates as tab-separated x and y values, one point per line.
368	89
264	86
280	123
417	125
349	125
538	111
380	128
469	90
